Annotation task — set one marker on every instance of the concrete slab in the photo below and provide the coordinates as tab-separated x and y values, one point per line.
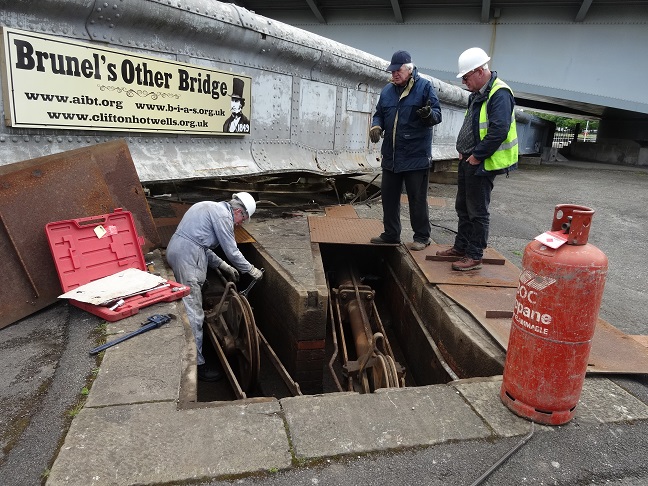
155	443
483	396
135	371
350	423
287	240
602	401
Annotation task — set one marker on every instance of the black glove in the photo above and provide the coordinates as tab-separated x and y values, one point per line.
374	134
426	111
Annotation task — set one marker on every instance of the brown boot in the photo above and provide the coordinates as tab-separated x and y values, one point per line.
467	263
450	252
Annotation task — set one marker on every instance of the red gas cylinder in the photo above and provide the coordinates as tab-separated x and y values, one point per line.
555	314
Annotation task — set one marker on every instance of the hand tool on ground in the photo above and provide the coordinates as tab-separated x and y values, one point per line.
152	322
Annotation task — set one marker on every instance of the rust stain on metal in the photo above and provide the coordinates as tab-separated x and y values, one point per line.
440	272
641	339
437	202
350	231
485	260
615	352
612	350
345	211
79	183
242	236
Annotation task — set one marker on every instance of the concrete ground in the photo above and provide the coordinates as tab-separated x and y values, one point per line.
131	428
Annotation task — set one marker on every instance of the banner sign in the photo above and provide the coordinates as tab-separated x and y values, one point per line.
50	82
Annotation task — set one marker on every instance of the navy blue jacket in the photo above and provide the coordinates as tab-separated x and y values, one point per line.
409	147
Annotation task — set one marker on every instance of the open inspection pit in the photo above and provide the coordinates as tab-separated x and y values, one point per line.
433	339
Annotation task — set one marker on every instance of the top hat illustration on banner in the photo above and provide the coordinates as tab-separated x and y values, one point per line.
238	89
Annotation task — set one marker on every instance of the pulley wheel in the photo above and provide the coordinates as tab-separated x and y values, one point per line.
393	372
255	355
241	325
380	373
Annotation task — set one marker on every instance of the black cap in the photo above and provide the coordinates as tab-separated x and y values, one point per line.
398	59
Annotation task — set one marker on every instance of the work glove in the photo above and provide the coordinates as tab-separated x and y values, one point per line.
374	134
229	271
425	111
256	274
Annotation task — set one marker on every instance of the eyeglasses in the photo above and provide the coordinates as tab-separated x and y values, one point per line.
467	75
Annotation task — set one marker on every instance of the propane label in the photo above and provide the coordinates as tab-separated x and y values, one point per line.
525	314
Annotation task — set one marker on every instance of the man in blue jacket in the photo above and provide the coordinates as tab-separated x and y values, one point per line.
407	110
487	145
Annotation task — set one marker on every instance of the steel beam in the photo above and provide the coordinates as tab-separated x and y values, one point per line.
485	11
582	11
316	11
397	10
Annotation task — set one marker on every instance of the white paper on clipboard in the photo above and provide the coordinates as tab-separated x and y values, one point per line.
128	282
552	239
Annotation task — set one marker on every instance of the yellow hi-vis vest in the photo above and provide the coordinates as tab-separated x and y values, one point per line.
506	154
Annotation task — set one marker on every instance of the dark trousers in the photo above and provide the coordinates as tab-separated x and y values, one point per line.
416	186
473	199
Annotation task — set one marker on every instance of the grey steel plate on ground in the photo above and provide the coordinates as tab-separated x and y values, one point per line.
440	272
89	181
350	231
612	350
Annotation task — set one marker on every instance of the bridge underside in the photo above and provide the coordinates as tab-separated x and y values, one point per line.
573	57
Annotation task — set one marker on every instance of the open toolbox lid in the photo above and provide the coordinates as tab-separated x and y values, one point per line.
88	249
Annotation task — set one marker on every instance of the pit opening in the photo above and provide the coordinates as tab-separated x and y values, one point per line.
429	343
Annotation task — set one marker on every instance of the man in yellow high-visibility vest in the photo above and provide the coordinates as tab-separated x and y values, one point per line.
487	146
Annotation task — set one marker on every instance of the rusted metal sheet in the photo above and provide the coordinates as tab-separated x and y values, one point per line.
437	202
612	350
641	339
349	231
440	272
485	260
76	184
343	211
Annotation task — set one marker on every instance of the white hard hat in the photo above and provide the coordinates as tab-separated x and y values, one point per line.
471	59
248	202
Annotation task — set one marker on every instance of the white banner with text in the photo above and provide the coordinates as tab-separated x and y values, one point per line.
49	82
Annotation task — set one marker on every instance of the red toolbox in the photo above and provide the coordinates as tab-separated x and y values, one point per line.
87	249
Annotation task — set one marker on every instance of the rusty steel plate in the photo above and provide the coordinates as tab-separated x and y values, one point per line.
242	236
640	338
344	211
437	202
85	182
612	350
441	272
478	300
349	231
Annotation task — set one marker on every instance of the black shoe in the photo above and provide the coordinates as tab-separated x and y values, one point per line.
378	240
209	373
420	245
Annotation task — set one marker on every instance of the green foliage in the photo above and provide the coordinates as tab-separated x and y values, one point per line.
566	122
